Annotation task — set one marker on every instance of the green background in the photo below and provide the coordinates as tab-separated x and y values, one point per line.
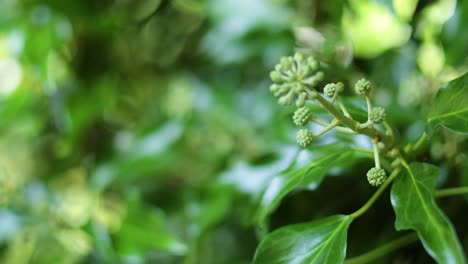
144	131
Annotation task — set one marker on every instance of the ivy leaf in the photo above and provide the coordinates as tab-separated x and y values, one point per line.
415	208
308	177
321	241
450	107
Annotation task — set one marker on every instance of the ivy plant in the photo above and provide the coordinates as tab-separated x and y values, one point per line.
413	194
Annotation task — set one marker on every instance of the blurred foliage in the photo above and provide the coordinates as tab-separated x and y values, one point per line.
144	132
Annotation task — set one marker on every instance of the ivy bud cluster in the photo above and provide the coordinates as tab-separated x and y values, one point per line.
332	89
377	115
302	116
294	79
305	137
362	87
376	176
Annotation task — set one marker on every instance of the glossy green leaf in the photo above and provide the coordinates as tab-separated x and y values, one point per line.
307	177
415	208
321	241
450	107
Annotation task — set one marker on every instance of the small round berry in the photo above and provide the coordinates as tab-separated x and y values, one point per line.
301	116
329	90
363	87
377	115
305	137
376	176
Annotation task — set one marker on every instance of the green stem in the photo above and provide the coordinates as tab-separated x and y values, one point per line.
343	108
366	125
325	124
376	154
419	143
402	241
451	191
333	124
345	130
385	164
372	255
362	150
318	121
369	107
376	195
389	129
335	96
370	131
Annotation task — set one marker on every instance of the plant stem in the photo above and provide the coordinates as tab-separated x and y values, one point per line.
389	129
345	130
369	107
419	143
362	150
335	96
365	125
376	154
372	255
376	195
451	191
318	121
333	124
384	163
343	108
325	124
370	131
402	241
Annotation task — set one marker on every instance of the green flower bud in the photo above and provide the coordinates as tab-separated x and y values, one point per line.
283	89
377	115
339	87
312	63
362	87
376	176
301	100
301	116
276	76
319	76
299	57
286	100
329	90
315	79
304	137
298	89
274	88
295	77
313	95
